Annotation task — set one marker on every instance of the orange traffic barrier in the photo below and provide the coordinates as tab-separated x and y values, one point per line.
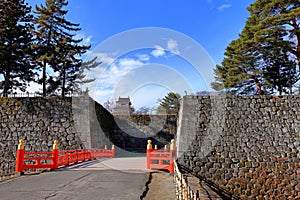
161	159
56	158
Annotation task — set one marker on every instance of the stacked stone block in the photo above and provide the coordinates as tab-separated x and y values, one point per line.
248	146
39	121
77	122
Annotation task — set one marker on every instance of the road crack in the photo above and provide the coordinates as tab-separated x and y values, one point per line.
54	194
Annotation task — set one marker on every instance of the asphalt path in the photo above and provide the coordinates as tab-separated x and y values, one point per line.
106	179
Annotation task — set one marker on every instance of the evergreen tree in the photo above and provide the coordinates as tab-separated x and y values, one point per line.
70	67
250	65
169	104
109	105
58	49
79	78
143	111
15	42
277	22
275	25
239	72
280	71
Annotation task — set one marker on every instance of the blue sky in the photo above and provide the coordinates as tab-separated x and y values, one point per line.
146	71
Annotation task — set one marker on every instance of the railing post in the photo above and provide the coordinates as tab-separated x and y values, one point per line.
55	155
90	154
86	155
172	155
105	151
92	151
149	150
20	157
96	153
165	150
113	150
67	158
79	155
76	152
82	158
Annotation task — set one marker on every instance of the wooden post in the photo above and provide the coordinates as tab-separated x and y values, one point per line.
55	155
113	150
86	155
166	150
89	155
172	155
149	150
92	151
67	158
20	157
76	152
82	155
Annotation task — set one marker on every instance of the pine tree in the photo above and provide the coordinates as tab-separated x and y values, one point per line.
15	42
169	104
249	66
71	68
58	49
80	76
277	21
280	72
239	72
275	25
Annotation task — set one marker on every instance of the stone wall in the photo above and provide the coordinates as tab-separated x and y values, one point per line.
77	122
137	129
248	146
124	131
39	121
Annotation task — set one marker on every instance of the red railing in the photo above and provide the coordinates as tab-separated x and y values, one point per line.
56	158
161	159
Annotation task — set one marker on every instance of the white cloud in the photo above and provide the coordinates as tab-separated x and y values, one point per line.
224	6
143	57
108	78
106	58
102	95
129	63
219	5
86	39
158	51
172	46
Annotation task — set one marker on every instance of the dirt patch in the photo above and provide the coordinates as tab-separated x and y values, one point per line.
161	186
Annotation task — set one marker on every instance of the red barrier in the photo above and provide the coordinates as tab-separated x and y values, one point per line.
161	159
56	158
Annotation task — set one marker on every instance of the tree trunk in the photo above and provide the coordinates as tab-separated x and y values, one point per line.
6	83
44	79
280	90
45	63
63	91
297	53
258	86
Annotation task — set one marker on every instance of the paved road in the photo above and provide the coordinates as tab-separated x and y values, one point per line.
132	164
110	179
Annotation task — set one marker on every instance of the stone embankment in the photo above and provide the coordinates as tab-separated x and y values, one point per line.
247	146
39	121
76	122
